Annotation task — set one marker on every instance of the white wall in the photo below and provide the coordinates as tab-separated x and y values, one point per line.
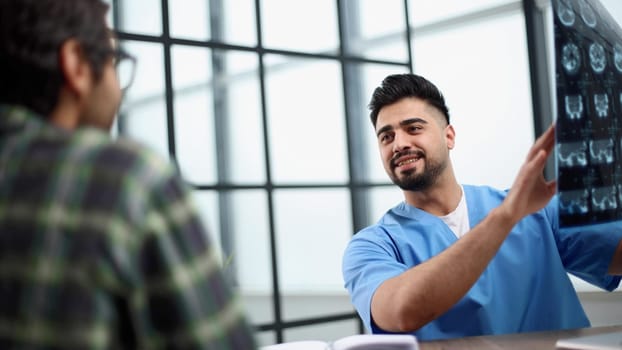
482	69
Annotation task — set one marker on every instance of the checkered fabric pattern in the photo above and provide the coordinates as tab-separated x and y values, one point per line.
101	247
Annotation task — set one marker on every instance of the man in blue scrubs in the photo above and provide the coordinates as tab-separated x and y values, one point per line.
457	260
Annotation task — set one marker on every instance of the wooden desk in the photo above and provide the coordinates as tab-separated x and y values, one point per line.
522	341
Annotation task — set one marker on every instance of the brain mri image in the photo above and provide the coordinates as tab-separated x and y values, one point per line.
601	104
617	57
574	106
598	60
601	151
571	58
588	82
574	202
572	154
587	14
604	198
565	13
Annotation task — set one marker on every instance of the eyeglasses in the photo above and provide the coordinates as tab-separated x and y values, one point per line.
125	65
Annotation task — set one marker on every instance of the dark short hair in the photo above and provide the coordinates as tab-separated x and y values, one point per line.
398	86
31	35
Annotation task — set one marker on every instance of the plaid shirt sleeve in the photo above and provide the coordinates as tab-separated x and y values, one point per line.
180	299
101	248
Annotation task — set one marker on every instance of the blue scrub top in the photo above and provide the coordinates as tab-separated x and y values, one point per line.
524	288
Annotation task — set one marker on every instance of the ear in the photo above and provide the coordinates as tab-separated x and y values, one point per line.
450	136
75	68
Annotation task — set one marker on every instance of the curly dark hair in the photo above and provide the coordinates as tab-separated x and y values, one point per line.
31	34
397	86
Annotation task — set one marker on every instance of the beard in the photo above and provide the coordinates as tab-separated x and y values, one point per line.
411	181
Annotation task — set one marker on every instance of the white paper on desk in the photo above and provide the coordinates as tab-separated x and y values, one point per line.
604	341
353	342
376	342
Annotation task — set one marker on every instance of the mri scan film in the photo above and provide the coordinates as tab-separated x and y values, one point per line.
588	56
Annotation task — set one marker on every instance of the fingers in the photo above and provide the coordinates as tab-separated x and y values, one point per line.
530	191
551	186
534	167
549	137
540	158
545	142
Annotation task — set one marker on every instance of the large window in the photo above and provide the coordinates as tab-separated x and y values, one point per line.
262	106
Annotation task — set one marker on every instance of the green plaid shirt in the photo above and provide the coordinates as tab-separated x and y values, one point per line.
100	247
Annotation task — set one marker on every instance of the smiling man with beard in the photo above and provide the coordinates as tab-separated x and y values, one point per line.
457	260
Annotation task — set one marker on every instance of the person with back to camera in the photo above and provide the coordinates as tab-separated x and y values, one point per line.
457	260
100	244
